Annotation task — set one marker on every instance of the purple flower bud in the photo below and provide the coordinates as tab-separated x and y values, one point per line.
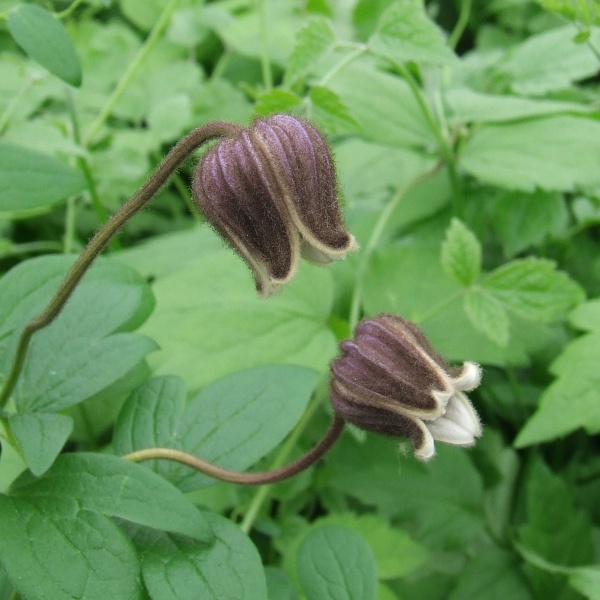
271	192
390	380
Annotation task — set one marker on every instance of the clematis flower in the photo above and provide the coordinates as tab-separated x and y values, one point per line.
389	380
271	193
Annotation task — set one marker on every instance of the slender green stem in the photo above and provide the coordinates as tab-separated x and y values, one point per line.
131	71
69	10
31	248
461	23
444	143
69	235
263	493
265	60
349	58
264	477
84	166
375	238
180	152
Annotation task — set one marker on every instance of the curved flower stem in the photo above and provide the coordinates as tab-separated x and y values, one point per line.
332	435
375	237
179	153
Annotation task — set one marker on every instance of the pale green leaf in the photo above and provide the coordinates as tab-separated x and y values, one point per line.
527	155
549	61
391	116
251	410
586	11
533	288
331	112
117	488
53	549
43	37
33	182
207	312
461	253
41	436
405	33
277	101
279	585
312	40
586	580
176	568
336	562
488	315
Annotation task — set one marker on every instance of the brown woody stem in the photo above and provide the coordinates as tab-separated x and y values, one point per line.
178	154
329	439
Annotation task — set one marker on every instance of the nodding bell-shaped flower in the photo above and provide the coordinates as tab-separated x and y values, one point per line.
390	380
271	192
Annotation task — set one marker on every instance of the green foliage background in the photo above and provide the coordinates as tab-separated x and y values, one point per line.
467	141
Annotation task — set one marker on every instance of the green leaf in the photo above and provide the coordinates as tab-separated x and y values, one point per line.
32	182
488	315
53	549
465	104
277	101
461	253
490	575
116	488
230	568
41	436
391	116
312	40
557	531
533	289
586	11
572	400
331	112
251	410
405	33
440	499
524	220
586	581
44	38
334	561
279	585
207	312
524	155
85	349
549	61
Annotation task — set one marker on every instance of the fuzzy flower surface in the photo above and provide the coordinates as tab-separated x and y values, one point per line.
390	380
271	193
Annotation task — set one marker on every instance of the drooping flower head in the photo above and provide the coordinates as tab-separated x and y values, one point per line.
391	381
271	192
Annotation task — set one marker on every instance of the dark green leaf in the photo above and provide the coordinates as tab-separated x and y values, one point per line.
524	220
490	575
229	569
117	488
233	422
43	37
32	182
41	436
405	33
336	562
56	550
557	531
